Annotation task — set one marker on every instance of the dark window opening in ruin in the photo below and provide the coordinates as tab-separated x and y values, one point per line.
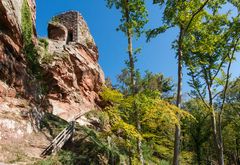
70	37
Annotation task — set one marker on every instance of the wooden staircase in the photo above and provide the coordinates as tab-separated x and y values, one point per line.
59	141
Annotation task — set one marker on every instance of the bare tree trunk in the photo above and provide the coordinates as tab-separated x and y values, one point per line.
139	145
133	84
221	155
177	145
130	52
217	142
178	102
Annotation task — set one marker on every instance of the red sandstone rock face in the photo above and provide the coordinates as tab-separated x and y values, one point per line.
5	91
75	79
10	18
73	76
12	61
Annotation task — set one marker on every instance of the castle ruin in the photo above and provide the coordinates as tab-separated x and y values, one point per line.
70	27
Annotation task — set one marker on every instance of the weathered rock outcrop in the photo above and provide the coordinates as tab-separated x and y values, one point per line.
70	75
19	136
13	68
74	78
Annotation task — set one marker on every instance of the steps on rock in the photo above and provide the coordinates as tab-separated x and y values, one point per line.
59	141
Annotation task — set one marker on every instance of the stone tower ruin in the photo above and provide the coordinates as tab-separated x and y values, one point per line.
70	27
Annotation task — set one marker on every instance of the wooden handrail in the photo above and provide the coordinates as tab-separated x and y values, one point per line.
59	141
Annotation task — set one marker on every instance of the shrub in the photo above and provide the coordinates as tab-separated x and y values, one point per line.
43	42
27	34
61	158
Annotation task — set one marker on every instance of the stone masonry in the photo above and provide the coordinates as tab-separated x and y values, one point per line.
71	21
77	29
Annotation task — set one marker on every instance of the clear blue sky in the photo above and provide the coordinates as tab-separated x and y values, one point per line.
156	56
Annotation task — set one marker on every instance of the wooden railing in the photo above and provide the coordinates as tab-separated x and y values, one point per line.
59	141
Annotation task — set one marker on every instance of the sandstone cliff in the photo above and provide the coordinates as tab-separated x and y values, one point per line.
69	83
71	70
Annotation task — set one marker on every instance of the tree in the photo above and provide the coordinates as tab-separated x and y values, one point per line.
197	130
231	123
157	118
184	15
133	19
149	81
211	50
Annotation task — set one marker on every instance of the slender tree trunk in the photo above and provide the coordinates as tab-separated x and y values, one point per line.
221	155
130	51
178	102
131	62
139	145
133	84
215	128
217	142
220	139
177	145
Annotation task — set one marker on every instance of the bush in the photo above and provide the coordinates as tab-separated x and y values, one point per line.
61	158
47	57
44	43
164	162
53	124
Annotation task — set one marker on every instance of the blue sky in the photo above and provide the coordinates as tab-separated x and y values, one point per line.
156	56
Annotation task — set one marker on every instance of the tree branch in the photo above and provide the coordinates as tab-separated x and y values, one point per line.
199	93
195	14
228	75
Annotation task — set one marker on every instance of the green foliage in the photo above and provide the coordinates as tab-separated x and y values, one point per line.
27	25
101	146
47	57
196	132
157	118
231	121
182	14
53	124
61	158
134	15
27	34
209	47
149	82
164	162
43	42
111	95
187	157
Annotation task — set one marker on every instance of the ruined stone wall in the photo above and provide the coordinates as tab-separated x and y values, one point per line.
84	36
70	21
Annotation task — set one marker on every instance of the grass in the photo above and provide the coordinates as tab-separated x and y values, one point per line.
53	124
